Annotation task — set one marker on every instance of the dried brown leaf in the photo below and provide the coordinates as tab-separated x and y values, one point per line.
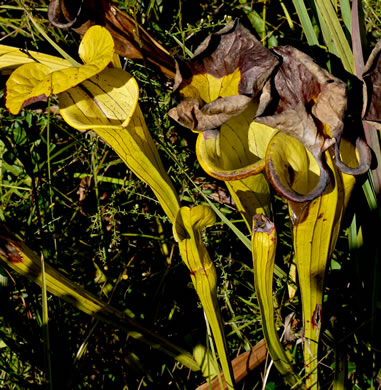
131	40
235	66
372	88
308	103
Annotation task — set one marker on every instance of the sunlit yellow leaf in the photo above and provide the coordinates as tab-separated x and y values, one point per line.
208	88
96	50
27	84
189	224
13	57
107	103
108	99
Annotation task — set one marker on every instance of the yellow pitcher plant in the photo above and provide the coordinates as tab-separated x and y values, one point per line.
264	242
275	112
264	118
315	227
187	229
93	96
218	91
104	99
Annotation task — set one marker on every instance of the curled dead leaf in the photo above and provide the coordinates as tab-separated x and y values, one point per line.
192	114
372	88
308	103
232	75
131	40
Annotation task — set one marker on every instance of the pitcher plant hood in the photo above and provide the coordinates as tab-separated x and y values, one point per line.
227	71
232	76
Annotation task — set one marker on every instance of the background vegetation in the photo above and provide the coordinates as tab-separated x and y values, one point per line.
101	227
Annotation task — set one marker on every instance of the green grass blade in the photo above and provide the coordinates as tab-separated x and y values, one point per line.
329	14
369	193
341	370
346	14
63	53
326	34
257	22
287	15
306	22
45	325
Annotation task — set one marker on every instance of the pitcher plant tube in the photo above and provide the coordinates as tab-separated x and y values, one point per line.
275	112
187	229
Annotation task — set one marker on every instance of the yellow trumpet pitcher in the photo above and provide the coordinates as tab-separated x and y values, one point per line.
218	91
187	231
315	227
264	242
94	97
105	100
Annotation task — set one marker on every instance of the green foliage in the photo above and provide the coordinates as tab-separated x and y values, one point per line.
73	199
